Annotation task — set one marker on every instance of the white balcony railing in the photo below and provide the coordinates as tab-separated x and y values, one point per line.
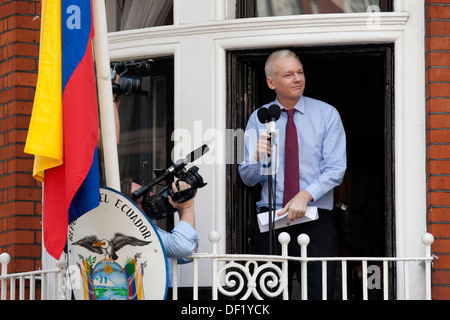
57	278
243	276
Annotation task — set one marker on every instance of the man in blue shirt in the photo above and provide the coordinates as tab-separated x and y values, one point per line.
322	164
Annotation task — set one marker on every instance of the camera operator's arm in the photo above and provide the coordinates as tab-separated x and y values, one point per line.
185	209
185	237
116	100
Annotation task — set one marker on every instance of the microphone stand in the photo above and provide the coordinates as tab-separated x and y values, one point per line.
272	196
268	116
270	202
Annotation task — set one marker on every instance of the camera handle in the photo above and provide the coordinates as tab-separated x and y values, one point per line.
139	192
183	195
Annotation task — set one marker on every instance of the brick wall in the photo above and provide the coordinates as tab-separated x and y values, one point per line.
20	195
438	139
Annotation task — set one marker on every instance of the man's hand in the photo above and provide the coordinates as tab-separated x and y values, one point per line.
263	146
185	209
297	206
181	187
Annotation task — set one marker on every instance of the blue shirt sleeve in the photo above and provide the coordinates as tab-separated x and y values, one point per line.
250	168
181	242
333	163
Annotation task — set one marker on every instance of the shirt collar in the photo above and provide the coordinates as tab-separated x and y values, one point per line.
300	106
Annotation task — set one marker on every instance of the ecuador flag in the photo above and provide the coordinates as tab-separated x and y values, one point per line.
63	128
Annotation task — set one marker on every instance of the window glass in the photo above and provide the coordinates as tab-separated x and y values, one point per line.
265	8
146	121
136	14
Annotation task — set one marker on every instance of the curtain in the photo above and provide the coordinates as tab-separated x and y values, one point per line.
293	7
136	14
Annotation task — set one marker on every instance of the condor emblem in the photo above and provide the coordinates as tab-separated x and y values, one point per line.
115	253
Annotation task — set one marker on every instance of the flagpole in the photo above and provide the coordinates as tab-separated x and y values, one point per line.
107	120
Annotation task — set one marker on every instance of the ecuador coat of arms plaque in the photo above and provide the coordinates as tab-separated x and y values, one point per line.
115	253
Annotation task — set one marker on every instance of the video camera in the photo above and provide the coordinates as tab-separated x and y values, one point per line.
157	206
133	80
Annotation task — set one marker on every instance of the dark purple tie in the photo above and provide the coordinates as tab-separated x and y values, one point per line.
291	166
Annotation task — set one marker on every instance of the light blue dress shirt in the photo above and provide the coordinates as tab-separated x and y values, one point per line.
322	152
180	242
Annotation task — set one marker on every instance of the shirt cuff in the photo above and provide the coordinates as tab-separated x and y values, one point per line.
315	191
251	173
186	230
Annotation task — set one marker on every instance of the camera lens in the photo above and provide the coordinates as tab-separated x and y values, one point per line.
129	85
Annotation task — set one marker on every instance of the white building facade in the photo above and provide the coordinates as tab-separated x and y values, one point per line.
199	41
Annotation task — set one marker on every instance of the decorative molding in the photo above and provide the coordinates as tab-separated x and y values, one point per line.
258	27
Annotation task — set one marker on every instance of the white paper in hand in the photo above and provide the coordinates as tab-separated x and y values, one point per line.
280	221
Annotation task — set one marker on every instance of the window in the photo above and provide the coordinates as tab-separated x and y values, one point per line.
267	8
136	14
146	124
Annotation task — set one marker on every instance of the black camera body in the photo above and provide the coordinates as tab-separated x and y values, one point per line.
133	78
158	206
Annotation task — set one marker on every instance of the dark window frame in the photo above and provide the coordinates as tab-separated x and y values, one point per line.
242	100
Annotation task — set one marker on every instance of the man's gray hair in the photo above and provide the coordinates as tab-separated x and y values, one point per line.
277	55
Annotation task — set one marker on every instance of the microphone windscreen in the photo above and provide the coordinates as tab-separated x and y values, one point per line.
262	115
274	112
197	153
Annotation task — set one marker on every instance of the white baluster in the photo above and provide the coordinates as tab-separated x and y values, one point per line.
284	238
303	241
364	279
324	280
214	237
428	240
344	280
385	280
4	260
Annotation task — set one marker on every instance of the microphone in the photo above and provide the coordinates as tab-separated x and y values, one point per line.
262	115
197	153
181	163
269	116
273	114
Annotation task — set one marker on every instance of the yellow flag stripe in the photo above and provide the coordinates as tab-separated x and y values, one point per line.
45	133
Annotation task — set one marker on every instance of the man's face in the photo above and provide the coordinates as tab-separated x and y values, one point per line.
288	79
